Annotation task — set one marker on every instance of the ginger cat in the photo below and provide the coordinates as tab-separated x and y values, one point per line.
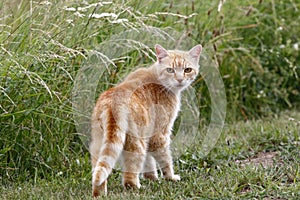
133	121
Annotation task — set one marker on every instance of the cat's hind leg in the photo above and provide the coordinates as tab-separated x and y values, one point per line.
106	147
133	158
96	143
100	189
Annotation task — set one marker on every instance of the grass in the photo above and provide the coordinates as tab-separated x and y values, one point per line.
235	169
45	44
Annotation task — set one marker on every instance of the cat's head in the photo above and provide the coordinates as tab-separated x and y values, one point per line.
176	70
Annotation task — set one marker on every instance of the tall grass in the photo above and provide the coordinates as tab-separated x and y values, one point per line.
44	43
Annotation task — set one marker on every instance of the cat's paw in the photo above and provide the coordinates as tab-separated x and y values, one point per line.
150	175
131	185
99	189
175	177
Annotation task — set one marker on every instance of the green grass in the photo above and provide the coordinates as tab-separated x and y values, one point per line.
228	172
44	45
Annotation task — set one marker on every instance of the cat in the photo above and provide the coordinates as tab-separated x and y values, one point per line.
133	120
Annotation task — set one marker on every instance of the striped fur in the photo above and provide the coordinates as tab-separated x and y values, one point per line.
133	120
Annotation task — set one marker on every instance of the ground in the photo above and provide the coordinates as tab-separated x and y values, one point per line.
255	159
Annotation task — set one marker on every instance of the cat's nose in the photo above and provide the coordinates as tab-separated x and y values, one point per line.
179	80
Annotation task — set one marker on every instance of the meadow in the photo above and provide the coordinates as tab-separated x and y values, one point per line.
254	44
258	159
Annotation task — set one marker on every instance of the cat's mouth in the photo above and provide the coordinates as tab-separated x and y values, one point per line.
179	85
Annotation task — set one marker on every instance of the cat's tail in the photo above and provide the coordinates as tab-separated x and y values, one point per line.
114	138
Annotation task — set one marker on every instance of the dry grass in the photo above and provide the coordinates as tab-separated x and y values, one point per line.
264	159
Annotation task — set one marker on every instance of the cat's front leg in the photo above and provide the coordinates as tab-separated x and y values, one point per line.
164	158
162	154
169	174
150	171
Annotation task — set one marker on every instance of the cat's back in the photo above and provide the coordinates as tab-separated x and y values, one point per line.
139	77
140	88
144	87
124	90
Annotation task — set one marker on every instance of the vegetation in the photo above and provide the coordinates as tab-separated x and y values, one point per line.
45	44
254	160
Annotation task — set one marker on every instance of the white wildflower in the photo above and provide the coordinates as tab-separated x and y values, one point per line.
282	46
70	21
97	16
261	94
291	119
107	2
296	46
70	9
118	21
221	3
47	3
83	9
79	14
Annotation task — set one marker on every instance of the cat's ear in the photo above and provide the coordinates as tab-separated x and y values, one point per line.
195	52
160	52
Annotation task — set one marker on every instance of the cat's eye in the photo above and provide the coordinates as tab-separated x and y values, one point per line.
170	70
188	70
